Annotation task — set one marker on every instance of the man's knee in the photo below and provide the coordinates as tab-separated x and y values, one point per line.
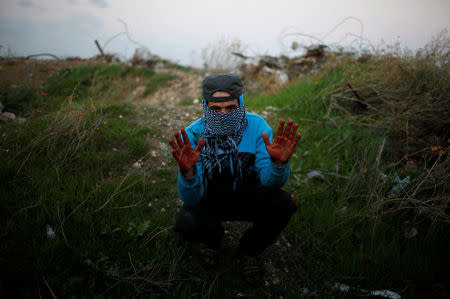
282	207
185	220
287	204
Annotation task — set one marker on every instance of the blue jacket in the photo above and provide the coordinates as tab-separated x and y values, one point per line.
257	166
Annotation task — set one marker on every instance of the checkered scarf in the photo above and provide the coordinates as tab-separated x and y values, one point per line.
223	133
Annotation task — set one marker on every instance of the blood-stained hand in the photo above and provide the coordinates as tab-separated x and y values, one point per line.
284	144
183	152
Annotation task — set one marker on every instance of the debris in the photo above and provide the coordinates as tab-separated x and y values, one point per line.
383	293
114	149
7	116
400	184
315	174
138	164
341	287
411	233
195	101
50	232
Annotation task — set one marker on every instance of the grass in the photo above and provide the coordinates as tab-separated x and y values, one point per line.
68	169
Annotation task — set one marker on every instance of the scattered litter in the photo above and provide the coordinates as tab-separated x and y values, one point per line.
120	116
411	233
50	232
384	293
7	116
399	184
305	291
187	114
344	209
138	164
383	176
341	287
153	153
114	149
149	205
381	293
315	174
195	101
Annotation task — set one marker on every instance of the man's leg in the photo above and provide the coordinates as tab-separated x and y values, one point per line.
270	211
199	224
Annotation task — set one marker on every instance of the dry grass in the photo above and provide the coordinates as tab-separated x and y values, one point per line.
406	97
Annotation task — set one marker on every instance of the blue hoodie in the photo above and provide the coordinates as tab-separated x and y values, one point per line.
258	168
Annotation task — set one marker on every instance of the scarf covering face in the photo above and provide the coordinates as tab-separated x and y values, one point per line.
223	133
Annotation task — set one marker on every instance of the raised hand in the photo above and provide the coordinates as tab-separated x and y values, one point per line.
183	152
284	144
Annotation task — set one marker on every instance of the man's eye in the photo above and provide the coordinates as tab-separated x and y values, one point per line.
232	108
215	108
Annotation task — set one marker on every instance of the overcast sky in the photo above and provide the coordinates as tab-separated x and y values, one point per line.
179	29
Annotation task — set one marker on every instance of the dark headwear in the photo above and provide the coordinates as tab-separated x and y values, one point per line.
222	82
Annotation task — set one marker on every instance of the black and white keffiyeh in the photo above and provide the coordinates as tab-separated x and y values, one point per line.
223	133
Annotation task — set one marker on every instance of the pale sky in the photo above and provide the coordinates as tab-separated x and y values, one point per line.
180	29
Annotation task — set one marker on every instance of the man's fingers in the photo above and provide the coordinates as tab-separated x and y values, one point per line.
266	138
178	138
185	137
280	128
297	139
200	144
173	145
287	131
294	130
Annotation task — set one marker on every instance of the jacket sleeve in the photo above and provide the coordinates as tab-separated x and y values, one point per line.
271	176
191	190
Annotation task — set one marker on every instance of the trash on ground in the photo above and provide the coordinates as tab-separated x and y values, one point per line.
399	184
411	233
314	174
50	232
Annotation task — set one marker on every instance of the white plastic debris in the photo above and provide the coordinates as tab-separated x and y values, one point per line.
138	164
315	174
120	116
341	287
384	293
399	184
114	149
7	116
195	101
412	233
50	232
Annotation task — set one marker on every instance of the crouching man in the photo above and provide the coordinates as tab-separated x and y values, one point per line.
229	170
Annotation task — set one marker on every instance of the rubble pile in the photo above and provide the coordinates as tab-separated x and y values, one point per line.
281	69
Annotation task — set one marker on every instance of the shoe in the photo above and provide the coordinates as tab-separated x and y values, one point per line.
208	255
252	270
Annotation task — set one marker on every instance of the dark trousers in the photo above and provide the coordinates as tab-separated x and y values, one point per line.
269	210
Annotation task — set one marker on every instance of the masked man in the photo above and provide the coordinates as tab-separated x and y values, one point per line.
230	171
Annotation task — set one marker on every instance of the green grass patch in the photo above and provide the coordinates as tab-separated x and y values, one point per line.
155	82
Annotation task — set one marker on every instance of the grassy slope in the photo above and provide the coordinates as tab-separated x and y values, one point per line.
69	166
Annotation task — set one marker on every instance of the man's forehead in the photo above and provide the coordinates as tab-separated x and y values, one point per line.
223	103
